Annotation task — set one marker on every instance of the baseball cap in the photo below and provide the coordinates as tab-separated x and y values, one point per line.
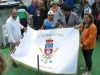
50	12
54	2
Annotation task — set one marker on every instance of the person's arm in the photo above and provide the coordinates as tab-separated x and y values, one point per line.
43	26
34	21
27	17
9	30
92	35
24	28
57	24
28	9
21	26
78	24
77	20
10	35
61	23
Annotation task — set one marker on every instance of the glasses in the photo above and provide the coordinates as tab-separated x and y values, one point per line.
50	15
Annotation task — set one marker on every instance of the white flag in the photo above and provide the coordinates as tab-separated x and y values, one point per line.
57	49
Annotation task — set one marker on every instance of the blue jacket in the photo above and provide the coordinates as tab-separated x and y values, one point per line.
32	9
70	3
81	9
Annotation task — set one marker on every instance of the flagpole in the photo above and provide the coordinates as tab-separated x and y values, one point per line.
38	62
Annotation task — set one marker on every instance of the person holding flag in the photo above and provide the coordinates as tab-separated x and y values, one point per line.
50	22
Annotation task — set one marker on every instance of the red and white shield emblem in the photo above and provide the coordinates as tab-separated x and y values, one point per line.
48	51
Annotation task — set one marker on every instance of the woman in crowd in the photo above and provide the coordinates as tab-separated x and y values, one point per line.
87	9
38	19
56	9
3	64
44	2
42	8
61	2
81	8
95	4
50	22
88	41
48	5
96	14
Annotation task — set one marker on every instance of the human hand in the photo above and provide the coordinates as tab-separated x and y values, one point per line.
76	27
80	45
25	29
15	43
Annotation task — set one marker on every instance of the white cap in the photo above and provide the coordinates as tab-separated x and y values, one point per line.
50	12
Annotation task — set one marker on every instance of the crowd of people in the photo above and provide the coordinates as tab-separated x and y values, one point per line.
51	14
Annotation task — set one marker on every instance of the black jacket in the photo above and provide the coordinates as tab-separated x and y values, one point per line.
37	21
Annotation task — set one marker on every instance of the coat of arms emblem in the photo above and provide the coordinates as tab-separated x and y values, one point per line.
48	47
48	51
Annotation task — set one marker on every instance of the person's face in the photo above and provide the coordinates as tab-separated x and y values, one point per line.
87	19
65	12
37	11
60	1
86	5
50	16
97	1
34	2
54	5
14	14
48	2
82	2
43	1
